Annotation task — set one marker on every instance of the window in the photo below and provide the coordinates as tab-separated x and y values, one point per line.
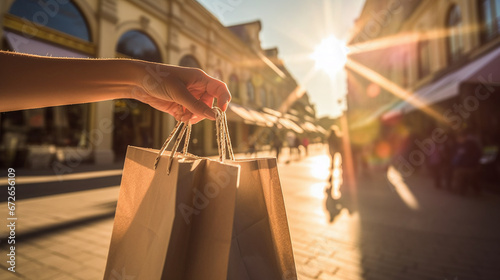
61	125
138	45
424	66
134	122
68	19
189	61
234	87
489	15
455	42
250	91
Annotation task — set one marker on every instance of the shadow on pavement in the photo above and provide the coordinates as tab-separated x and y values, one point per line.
48	230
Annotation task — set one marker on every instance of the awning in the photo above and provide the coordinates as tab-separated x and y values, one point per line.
24	44
321	130
289	124
237	113
481	70
309	127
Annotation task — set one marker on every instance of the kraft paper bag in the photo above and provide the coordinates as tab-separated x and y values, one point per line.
261	247
176	226
204	220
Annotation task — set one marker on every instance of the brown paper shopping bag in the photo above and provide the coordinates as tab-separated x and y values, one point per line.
197	222
261	248
175	221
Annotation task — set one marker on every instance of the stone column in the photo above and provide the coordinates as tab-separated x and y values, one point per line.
102	121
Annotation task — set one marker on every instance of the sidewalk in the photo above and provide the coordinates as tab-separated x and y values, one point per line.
67	236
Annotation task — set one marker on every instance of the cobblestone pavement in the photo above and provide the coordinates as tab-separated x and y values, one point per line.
371	235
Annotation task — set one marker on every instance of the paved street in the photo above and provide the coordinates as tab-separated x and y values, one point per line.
384	232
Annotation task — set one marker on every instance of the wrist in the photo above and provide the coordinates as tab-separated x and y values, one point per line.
132	75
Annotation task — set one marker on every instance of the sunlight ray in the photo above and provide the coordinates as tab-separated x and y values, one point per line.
407	38
392	88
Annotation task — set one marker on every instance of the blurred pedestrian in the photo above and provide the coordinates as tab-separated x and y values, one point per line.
296	147
305	144
439	163
466	162
334	143
277	143
29	81
251	147
435	163
290	141
448	149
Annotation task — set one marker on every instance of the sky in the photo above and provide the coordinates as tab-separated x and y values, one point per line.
296	27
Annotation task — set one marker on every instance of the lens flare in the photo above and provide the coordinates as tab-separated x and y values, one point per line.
330	55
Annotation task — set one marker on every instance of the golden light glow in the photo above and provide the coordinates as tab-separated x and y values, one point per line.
330	55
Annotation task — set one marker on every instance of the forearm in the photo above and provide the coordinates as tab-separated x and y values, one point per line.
33	82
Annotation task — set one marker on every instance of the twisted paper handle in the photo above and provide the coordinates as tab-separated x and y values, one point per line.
223	138
186	129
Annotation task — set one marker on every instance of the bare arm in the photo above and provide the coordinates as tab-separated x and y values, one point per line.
28	82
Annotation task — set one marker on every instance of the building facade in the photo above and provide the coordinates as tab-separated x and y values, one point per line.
418	66
179	32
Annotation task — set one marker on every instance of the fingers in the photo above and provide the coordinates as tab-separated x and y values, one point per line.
186	99
219	90
211	86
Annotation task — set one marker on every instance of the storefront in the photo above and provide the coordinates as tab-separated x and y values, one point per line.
37	137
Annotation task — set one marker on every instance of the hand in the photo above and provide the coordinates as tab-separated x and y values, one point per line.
29	81
185	93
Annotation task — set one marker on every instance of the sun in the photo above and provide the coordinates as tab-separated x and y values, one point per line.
330	55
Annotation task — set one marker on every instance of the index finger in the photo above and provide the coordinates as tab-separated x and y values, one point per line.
219	90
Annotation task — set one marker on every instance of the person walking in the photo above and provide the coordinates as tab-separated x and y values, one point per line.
334	141
305	144
277	143
466	162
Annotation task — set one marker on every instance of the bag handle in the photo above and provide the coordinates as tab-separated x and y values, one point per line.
186	129
223	140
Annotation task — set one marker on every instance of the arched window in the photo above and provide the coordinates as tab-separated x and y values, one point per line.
136	44
234	87
68	36
250	91
263	97
133	120
189	61
489	15
455	40
68	18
